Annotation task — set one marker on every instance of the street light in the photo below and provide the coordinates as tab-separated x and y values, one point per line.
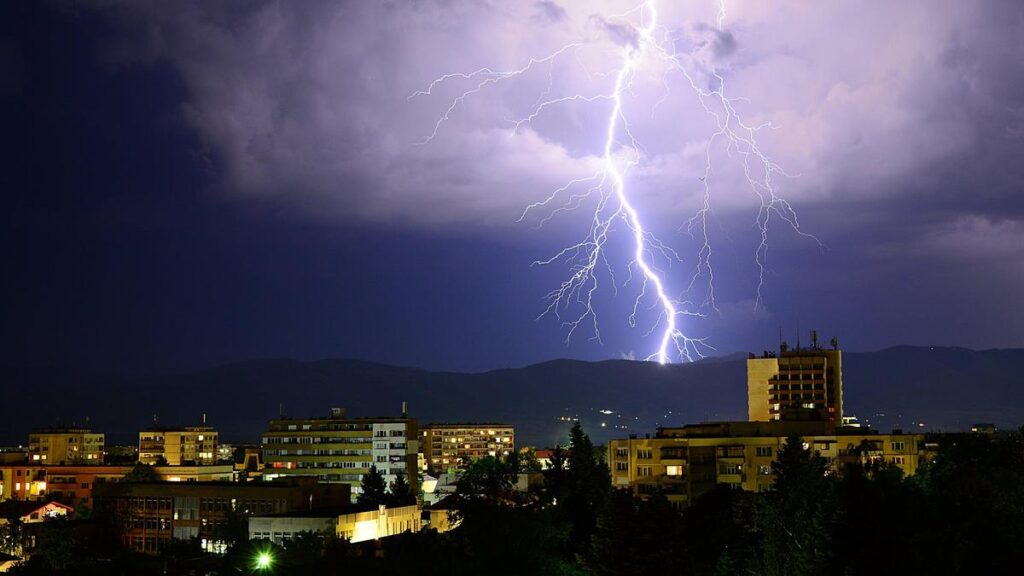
264	560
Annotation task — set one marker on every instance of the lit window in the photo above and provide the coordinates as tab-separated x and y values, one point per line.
674	470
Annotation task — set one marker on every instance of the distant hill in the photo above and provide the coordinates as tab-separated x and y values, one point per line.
944	388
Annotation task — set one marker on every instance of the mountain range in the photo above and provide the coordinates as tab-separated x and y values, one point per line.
902	387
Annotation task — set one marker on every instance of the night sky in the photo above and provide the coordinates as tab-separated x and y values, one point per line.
188	184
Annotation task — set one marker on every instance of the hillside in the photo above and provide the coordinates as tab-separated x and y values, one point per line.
944	388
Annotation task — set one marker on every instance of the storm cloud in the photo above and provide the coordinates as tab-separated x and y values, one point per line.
902	123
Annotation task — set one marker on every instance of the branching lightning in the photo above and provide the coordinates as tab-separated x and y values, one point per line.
573	301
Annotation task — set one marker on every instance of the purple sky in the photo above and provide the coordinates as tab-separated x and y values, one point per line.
902	125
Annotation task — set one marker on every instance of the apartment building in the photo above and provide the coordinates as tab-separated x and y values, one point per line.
796	384
58	446
72	485
340	449
685	462
455	445
177	446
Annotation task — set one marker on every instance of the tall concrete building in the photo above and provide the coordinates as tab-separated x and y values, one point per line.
341	449
447	446
60	446
796	384
177	446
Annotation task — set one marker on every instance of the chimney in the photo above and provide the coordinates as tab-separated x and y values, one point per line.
405	409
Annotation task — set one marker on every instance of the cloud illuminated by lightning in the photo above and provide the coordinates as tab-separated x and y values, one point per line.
573	300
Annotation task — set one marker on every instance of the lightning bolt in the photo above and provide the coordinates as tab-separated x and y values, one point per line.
572	301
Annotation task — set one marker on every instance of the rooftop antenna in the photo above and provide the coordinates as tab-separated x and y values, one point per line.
204	418
155	419
798	334
814	339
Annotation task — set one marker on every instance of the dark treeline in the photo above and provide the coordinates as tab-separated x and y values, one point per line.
963	513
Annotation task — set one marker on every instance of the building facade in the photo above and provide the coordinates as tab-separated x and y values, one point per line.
73	485
685	462
58	446
149	516
801	384
449	446
177	446
338	449
351	524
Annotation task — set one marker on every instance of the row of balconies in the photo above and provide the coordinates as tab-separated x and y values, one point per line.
317	440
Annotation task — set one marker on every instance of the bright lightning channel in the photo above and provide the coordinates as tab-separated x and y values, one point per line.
608	185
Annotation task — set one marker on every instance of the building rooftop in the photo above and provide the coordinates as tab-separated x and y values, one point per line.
325	512
199	428
64	430
466	425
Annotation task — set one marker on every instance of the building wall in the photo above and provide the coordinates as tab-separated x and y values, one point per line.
65	446
149	516
447	446
341	450
759	372
280	529
685	468
189	445
380	523
22	482
797	384
355	527
73	485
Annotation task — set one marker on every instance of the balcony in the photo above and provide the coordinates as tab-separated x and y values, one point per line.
730	453
674	455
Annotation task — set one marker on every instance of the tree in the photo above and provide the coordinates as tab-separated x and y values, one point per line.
57	544
587	483
528	461
374	488
401	492
487	478
795	513
141	473
555	477
612	544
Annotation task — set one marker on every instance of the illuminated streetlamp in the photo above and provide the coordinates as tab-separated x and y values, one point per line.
264	560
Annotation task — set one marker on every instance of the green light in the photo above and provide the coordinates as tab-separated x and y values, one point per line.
263	560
